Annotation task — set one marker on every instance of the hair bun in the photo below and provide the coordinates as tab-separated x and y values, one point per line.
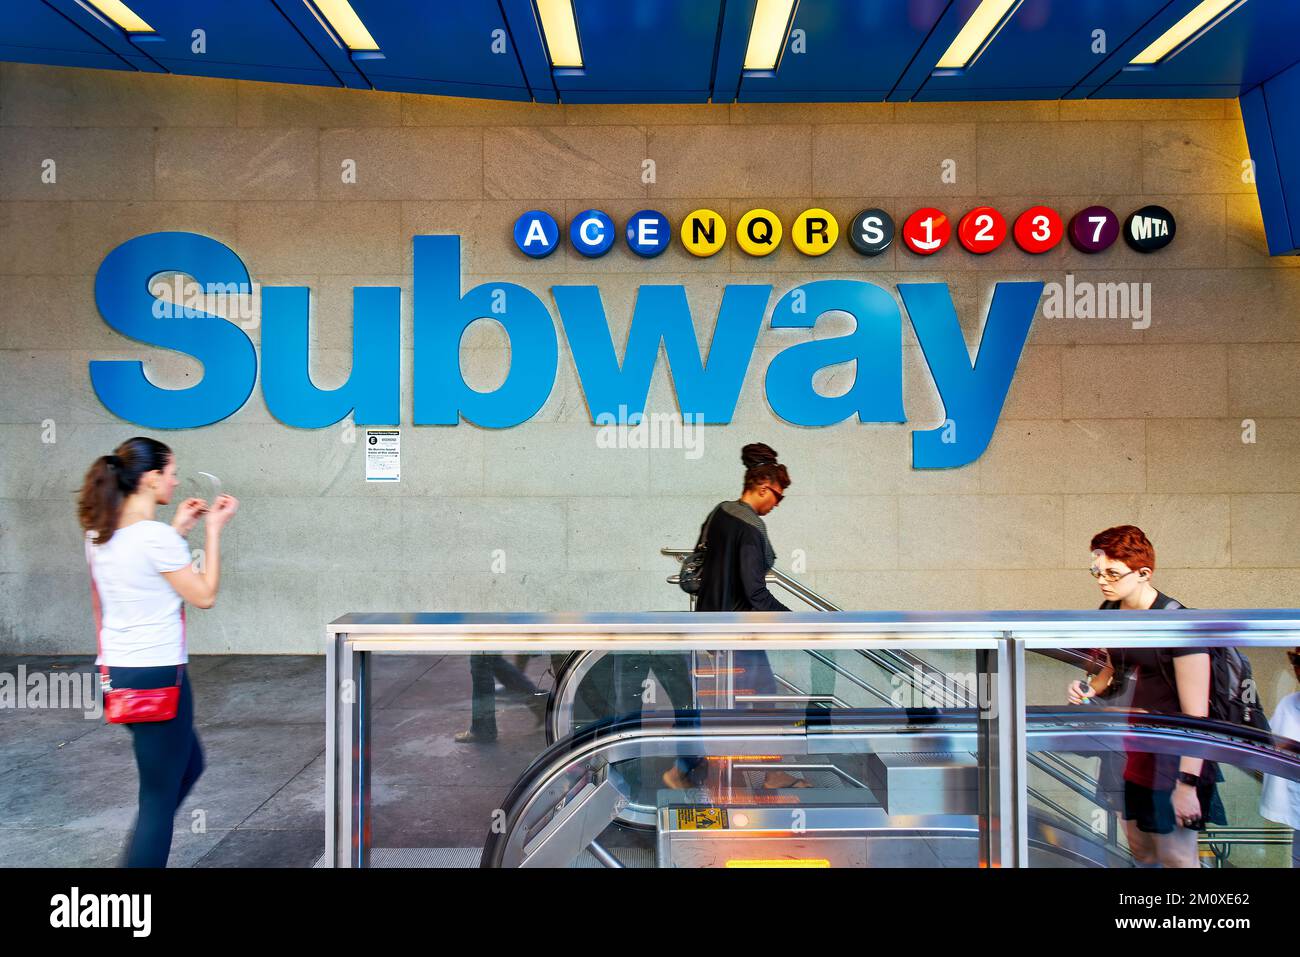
756	454
112	461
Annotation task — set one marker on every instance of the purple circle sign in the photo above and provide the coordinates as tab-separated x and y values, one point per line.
1093	229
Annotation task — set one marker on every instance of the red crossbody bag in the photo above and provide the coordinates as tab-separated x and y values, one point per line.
133	705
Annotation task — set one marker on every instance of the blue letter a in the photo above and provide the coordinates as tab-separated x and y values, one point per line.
875	345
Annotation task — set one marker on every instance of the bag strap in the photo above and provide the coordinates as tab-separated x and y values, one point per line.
703	540
97	606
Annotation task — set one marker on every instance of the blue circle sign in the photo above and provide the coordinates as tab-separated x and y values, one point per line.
536	233
648	233
591	232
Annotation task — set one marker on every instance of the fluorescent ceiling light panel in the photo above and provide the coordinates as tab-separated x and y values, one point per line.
767	34
561	33
122	15
345	22
1201	18
983	23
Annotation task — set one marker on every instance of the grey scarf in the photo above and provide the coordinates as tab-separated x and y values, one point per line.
747	515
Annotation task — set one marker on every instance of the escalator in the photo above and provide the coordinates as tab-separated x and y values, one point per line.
592	686
903	790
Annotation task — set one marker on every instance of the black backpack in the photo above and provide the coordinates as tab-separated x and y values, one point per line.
1234	694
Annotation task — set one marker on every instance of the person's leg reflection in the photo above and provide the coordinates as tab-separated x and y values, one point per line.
483	701
823	676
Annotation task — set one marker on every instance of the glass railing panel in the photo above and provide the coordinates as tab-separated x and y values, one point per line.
763	788
433	798
609	685
457	763
1122	828
712	745
1114	776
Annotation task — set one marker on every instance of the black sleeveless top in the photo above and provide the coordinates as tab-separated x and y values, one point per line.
1154	690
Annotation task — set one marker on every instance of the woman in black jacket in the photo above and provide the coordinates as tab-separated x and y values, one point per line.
738	554
737	557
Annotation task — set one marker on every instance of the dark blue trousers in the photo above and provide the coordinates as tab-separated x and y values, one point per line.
169	759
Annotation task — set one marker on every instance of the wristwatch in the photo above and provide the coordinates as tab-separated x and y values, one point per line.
1186	777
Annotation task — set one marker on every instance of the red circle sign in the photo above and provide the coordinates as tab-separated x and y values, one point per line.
926	231
982	230
1038	229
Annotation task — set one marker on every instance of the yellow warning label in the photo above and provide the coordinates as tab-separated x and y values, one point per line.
701	818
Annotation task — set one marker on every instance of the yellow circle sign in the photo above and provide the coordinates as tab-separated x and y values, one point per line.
759	232
704	232
814	232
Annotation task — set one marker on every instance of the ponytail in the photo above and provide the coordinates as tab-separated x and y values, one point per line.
111	479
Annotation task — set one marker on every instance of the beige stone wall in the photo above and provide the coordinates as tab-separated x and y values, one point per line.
1105	423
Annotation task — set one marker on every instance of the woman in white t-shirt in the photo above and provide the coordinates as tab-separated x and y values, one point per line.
1280	799
140	575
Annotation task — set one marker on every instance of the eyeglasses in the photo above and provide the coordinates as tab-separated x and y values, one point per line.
779	495
1110	575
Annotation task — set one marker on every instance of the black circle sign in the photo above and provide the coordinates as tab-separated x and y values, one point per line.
1149	228
871	232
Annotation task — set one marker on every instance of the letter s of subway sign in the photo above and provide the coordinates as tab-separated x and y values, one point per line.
972	392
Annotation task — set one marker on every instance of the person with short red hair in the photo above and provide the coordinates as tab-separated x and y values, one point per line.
1167	798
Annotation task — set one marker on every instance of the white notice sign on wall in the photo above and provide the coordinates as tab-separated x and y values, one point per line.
383	455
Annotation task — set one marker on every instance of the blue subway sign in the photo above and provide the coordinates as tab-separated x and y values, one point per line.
972	393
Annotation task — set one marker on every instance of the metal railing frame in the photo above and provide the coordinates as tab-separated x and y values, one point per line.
998	639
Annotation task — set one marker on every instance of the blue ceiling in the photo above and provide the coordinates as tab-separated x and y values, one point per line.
677	51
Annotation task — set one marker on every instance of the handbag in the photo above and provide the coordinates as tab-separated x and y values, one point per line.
690	579
133	705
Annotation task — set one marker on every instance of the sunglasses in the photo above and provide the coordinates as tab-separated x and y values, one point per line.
779	495
1110	575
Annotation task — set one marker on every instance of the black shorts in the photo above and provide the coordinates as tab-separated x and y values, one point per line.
1153	809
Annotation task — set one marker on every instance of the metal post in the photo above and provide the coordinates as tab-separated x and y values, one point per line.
347	754
1003	819
331	750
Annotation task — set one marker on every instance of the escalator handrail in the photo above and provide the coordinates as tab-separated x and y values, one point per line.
777	577
1081	659
1280	756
